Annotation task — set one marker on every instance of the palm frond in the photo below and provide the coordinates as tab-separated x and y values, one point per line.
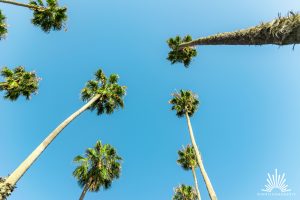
18	82
3	26
98	168
111	93
51	17
178	55
187	158
185	101
185	192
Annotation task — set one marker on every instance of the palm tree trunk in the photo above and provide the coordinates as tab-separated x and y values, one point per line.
85	189
196	183
209	186
281	31
21	170
22	4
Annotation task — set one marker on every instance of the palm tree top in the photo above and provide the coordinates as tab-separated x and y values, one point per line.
280	31
18	82
181	55
100	165
185	192
184	101
48	17
111	93
5	188
187	158
3	29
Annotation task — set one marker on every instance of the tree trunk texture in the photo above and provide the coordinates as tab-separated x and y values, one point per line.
208	184
25	165
85	189
281	31
196	183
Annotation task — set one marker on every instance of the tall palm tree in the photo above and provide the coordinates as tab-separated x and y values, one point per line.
185	192
185	103
280	31
18	82
104	95
98	168
49	16
188	161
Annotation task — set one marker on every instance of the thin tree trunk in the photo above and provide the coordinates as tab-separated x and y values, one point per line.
196	183
21	170
23	5
85	189
209	186
281	31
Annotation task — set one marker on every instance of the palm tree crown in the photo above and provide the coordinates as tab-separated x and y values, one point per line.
18	82
185	101
280	31
185	192
187	158
50	17
98	168
3	29
181	55
111	93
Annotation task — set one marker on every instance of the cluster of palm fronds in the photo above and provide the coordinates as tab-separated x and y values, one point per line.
49	16
185	101
5	189
183	192
98	168
3	26
181	55
111	93
18	82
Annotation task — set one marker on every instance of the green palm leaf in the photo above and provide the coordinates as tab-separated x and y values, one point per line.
187	158
18	82
111	93
98	168
181	55
50	17
184	192
185	101
3	26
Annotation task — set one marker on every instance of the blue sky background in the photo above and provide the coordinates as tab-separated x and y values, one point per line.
247	125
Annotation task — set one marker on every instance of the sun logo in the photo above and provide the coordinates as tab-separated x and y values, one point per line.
276	181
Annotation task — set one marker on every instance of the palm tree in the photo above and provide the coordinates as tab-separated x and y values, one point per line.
185	103
18	82
100	166
184	55
188	161
280	31
3	29
185	192
47	16
101	94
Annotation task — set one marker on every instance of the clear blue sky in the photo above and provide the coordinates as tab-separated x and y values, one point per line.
247	125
